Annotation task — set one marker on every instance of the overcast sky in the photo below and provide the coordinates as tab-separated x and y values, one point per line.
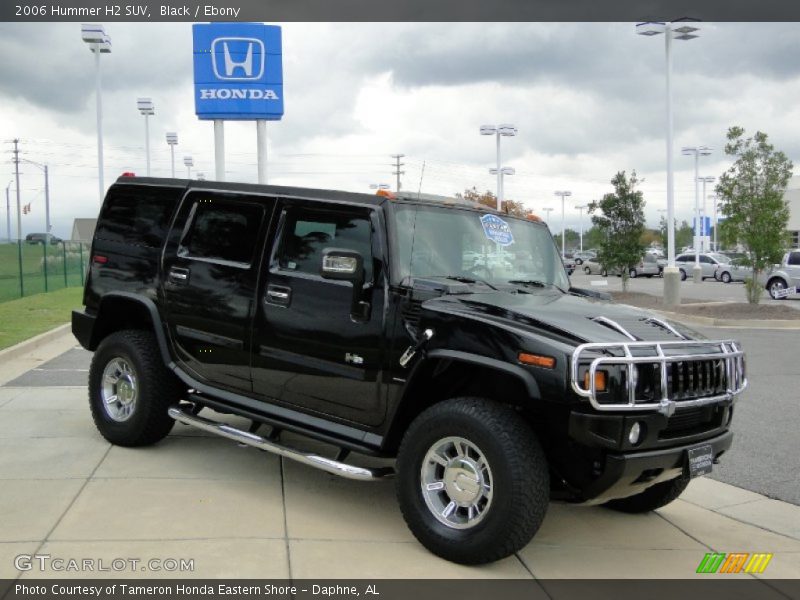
588	100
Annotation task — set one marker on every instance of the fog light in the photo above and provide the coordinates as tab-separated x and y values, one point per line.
634	433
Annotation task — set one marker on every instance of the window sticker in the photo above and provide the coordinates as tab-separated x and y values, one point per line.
497	230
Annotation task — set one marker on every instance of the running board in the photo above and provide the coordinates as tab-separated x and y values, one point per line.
256	441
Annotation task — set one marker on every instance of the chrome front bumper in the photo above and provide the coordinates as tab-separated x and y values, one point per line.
630	355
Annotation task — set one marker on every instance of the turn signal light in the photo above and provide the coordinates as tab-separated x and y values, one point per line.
548	362
600	380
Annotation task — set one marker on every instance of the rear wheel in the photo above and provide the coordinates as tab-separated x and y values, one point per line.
130	389
472	480
603	273
683	275
632	273
652	498
587	270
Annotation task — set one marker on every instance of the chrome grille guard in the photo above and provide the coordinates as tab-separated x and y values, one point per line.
728	351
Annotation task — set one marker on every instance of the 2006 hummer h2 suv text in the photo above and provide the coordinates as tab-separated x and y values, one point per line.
440	333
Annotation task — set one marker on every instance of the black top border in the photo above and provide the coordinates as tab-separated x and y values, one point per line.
397	10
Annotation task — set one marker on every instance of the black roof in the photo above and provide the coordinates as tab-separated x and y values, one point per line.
254	188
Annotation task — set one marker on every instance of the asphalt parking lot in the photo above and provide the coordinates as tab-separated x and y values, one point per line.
707	291
242	513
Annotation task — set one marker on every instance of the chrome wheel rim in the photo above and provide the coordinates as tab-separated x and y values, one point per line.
456	483
776	287
119	390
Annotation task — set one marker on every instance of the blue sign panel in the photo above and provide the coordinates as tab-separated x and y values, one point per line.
497	230
705	226
238	71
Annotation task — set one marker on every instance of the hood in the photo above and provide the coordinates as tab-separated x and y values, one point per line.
566	315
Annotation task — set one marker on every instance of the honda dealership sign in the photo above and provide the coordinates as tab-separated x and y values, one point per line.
237	71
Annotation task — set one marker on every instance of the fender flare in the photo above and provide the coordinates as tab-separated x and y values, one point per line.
526	378
155	318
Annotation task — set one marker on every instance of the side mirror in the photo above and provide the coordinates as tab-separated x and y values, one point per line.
347	265
344	265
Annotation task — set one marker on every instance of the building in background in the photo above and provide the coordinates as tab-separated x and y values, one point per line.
83	230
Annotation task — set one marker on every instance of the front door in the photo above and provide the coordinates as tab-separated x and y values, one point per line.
312	350
210	276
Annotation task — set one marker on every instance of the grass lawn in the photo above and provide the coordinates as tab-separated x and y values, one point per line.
33	268
24	318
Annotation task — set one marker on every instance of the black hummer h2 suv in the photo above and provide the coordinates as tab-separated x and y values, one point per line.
440	333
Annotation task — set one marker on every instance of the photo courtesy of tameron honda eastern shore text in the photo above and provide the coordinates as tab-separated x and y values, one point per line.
434	331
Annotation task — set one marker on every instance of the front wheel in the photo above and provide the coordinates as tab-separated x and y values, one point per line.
726	277
472	480
603	273
683	275
587	270
632	273
130	389
652	498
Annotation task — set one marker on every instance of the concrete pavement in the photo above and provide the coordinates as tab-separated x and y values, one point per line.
242	513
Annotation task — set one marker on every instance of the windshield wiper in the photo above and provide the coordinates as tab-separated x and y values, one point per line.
535	283
464	279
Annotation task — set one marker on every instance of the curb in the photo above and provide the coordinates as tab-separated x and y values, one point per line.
747	323
37	341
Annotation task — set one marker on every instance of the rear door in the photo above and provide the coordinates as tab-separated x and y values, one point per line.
209	283
310	350
793	267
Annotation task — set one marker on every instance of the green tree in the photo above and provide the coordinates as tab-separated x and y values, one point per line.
487	198
684	235
572	239
620	218
592	238
751	198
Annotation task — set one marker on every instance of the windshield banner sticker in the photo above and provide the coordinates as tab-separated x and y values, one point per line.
497	230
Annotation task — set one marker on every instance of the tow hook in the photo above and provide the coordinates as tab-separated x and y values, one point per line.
412	350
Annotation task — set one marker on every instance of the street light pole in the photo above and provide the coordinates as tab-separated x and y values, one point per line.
714	222
697	271
8	211
504	130
502	174
685	31
147	109
188	163
563	230
172	140
44	168
580	208
99	43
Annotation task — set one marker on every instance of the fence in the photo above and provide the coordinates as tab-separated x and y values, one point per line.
32	268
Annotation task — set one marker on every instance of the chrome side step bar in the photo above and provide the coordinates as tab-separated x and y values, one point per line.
256	441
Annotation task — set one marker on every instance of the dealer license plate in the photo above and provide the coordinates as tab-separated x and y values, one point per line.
701	460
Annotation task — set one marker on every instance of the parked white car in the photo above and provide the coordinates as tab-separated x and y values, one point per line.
783	276
709	261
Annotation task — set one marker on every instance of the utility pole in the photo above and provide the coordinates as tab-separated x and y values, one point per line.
19	220
8	211
397	170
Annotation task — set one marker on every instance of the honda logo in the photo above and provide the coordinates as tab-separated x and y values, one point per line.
237	58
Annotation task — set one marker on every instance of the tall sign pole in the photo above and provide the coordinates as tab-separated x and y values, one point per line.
238	76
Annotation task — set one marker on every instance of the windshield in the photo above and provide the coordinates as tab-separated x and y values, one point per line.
441	242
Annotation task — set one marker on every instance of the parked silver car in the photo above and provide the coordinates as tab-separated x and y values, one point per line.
783	276
646	267
709	261
734	270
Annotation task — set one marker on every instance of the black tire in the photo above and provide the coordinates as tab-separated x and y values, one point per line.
587	270
725	277
633	274
652	498
519	480
776	284
683	275
578	261
156	389
603	273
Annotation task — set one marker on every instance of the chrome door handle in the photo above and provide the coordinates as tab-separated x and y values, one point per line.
278	295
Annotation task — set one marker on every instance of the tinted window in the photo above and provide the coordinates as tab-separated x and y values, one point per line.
794	258
137	215
307	233
223	231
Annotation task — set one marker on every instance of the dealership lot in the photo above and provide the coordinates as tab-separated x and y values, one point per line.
240	512
707	291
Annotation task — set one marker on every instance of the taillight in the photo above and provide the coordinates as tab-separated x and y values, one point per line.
99	259
128	174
